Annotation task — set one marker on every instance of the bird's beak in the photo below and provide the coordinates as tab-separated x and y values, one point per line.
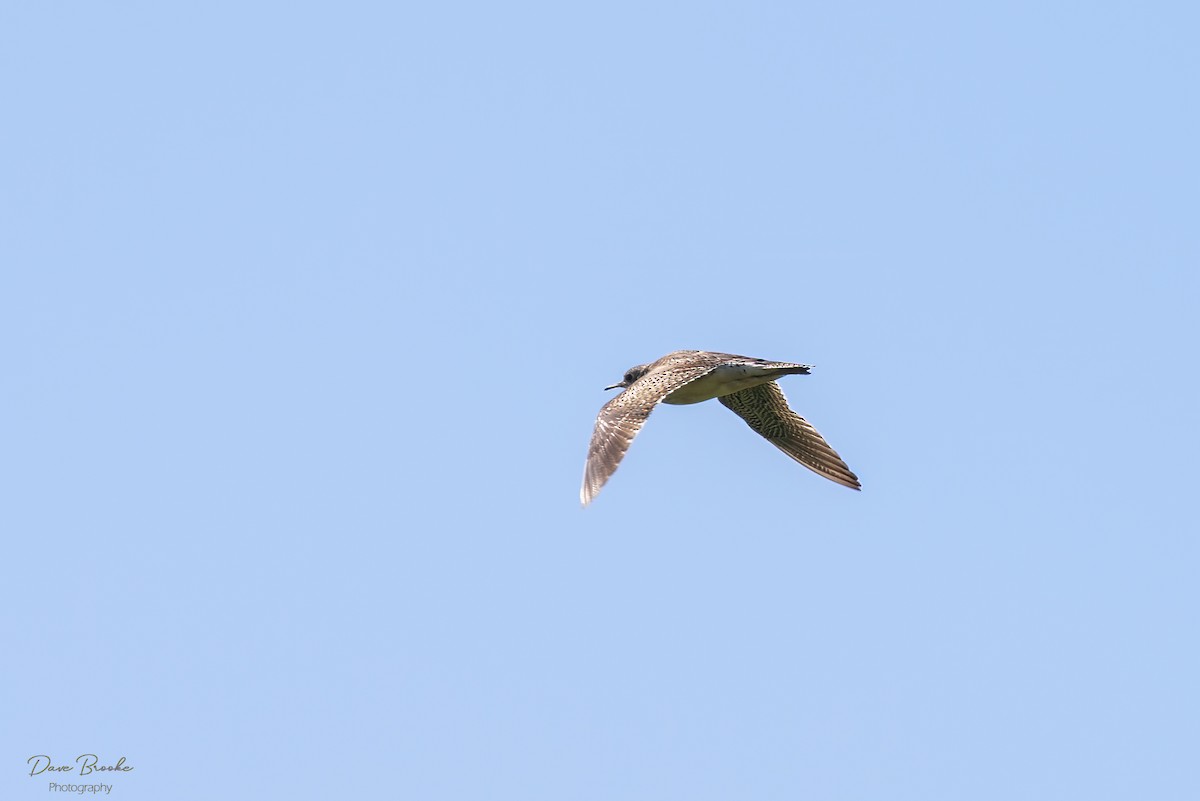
616	386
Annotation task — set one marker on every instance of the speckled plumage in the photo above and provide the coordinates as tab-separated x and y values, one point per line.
743	384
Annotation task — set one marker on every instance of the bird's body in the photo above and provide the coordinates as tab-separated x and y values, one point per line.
727	378
743	384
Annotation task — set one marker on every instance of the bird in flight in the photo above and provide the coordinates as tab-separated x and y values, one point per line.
745	385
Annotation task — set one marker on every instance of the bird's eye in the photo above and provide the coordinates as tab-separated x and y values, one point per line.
630	377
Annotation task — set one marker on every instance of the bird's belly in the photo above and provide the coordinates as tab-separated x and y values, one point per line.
722	381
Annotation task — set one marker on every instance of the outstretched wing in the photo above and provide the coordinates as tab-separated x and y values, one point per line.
765	409
623	417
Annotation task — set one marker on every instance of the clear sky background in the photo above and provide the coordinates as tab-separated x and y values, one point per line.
306	313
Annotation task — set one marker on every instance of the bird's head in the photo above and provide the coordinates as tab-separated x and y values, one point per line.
631	375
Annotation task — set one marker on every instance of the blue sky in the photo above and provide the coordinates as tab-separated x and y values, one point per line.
308	309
